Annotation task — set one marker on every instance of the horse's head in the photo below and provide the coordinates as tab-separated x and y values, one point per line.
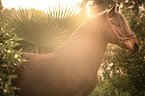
125	37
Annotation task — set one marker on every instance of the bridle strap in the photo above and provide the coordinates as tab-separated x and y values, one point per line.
118	35
121	40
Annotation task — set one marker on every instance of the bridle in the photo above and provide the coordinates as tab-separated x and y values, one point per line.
120	37
121	40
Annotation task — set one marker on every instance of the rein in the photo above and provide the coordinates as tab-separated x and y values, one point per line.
121	38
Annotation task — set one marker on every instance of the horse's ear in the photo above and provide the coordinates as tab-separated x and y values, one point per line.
111	11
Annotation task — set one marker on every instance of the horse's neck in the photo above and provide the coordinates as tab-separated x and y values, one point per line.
86	44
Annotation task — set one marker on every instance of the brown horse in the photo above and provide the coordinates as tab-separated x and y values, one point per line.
71	69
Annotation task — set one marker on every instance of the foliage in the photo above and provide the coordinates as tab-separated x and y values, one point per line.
1	6
107	89
10	59
41	31
100	5
125	71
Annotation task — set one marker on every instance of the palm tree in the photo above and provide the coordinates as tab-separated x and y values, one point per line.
41	31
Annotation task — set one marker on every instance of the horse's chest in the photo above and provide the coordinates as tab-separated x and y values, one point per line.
81	85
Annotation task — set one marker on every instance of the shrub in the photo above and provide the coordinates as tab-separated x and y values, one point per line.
10	59
108	89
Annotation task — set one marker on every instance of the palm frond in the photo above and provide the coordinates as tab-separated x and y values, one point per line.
48	30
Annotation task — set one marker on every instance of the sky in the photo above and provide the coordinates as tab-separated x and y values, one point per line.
37	4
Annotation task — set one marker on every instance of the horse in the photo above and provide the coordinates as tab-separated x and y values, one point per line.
71	69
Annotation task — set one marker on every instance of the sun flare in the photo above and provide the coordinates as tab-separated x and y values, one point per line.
37	4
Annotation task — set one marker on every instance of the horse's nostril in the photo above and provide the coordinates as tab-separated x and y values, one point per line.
136	47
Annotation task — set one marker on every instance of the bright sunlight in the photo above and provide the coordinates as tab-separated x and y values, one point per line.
37	4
